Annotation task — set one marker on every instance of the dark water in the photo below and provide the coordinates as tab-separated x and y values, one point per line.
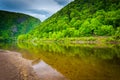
58	61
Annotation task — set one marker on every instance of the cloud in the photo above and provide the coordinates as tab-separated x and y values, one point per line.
41	9
63	2
11	4
43	12
40	16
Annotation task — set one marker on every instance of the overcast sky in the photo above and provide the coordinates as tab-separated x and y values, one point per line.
41	9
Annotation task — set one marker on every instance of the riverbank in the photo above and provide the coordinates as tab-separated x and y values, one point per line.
14	67
79	40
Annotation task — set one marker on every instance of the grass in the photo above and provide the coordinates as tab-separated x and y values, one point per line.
75	40
99	39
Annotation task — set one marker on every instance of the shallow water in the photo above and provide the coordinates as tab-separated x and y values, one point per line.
57	61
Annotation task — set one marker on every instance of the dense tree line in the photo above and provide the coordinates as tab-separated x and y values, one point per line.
14	24
81	18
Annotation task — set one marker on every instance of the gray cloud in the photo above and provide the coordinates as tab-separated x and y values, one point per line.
63	2
13	5
39	12
41	9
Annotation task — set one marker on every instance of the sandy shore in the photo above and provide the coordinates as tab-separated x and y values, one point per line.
14	67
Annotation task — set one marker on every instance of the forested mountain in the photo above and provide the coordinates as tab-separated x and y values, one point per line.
81	18
13	24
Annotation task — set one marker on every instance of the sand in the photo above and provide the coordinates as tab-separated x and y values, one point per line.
14	67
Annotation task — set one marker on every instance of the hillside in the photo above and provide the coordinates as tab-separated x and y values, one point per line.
13	24
81	18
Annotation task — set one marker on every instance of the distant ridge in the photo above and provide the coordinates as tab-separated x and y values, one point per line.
13	24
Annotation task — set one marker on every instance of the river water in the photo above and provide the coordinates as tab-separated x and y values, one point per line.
58	61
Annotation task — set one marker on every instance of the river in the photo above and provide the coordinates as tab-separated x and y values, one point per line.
59	61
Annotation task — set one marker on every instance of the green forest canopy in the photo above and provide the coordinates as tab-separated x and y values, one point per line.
81	18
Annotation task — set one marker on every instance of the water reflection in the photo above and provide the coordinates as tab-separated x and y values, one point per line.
46	72
75	61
